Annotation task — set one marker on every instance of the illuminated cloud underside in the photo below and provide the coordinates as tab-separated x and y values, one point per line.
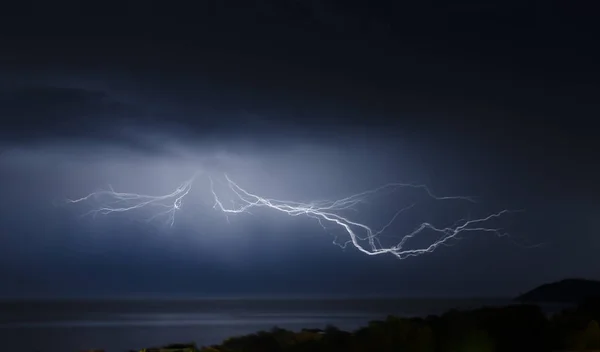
361	236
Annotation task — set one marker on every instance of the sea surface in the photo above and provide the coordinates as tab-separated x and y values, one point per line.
123	325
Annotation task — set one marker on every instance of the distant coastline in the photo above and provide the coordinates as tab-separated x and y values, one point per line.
32	325
564	291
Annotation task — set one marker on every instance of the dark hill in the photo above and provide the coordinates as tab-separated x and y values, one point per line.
565	291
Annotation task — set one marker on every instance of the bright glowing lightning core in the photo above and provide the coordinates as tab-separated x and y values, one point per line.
361	236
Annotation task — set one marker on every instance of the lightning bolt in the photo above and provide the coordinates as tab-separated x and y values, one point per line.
117	202
362	237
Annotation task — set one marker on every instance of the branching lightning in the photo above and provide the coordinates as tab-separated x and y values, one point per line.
117	202
362	237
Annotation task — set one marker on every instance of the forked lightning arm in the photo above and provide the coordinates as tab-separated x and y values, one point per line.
117	202
323	211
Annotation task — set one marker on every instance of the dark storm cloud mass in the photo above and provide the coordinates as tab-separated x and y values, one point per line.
55	113
299	100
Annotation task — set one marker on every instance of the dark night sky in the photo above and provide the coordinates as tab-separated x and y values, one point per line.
306	99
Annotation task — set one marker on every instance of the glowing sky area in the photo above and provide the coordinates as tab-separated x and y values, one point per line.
328	213
292	109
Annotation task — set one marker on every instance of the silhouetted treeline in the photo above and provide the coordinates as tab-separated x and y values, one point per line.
512	328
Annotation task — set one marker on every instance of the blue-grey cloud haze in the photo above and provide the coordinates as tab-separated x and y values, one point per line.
314	101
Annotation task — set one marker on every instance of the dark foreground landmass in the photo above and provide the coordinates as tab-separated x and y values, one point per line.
569	290
513	328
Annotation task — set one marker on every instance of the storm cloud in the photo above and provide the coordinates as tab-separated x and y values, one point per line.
315	102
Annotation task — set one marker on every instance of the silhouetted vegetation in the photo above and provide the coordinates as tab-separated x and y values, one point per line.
497	329
512	328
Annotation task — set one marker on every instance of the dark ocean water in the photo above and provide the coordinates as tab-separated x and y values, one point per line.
70	326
